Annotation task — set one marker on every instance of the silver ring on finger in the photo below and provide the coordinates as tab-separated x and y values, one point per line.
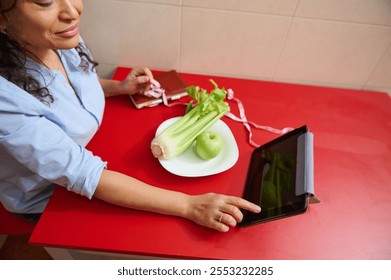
221	217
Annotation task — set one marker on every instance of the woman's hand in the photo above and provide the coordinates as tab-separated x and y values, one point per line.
219	212
138	81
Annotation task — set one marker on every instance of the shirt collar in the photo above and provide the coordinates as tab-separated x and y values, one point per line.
71	56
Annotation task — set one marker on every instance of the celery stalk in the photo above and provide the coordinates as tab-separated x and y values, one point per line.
179	136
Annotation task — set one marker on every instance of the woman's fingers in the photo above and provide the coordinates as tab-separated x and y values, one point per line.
227	219
141	78
220	226
219	212
231	214
141	71
243	204
232	211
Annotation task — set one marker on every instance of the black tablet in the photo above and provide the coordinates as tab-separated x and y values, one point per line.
280	177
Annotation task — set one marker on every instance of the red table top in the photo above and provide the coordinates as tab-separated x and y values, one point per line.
352	141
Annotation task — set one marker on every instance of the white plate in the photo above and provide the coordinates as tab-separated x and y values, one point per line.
189	164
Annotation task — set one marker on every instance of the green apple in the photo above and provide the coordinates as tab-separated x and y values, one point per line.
208	144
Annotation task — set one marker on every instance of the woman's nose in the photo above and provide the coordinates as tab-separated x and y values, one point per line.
70	10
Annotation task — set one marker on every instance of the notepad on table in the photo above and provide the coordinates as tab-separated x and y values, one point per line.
171	82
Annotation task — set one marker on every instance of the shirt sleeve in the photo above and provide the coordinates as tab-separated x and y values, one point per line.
45	149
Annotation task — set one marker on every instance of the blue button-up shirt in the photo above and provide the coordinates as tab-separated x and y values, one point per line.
42	146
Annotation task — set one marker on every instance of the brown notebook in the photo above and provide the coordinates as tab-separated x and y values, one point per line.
171	82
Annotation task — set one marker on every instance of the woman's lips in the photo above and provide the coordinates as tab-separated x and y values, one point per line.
70	32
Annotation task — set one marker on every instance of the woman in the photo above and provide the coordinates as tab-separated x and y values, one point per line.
51	104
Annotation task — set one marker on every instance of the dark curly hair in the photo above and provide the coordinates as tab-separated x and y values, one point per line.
13	62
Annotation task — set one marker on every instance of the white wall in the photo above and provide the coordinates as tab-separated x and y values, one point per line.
343	43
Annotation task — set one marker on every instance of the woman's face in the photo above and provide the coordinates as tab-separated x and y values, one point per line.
39	25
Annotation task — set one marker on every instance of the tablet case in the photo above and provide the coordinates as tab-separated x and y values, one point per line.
171	82
305	167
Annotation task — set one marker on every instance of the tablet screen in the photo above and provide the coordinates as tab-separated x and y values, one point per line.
271	180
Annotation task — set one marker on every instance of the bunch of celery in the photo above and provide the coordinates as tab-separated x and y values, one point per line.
180	135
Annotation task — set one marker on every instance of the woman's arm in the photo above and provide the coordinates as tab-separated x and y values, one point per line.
205	210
